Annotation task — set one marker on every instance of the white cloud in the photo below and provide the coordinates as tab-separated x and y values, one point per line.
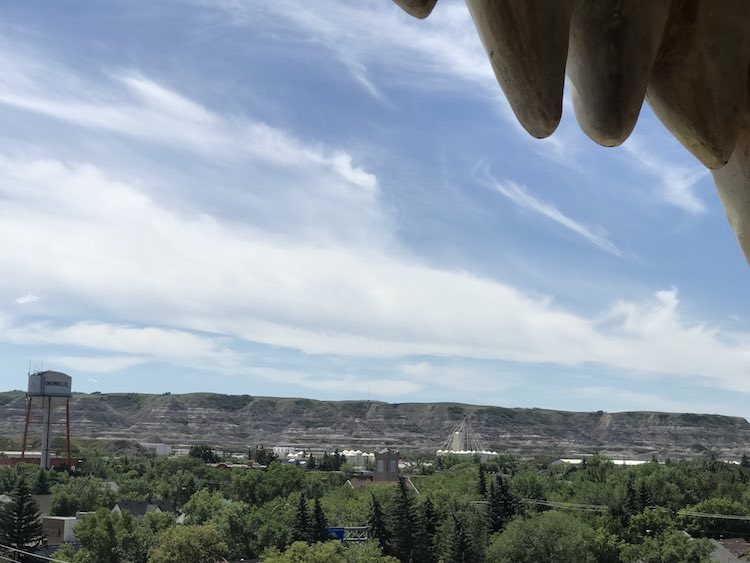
116	251
28	298
345	384
523	199
97	364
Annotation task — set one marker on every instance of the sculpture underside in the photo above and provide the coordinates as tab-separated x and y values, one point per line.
689	59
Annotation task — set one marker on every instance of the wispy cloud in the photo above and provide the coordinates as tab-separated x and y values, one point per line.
675	182
521	197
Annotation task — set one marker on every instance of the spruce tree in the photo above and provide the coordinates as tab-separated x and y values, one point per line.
318	525
301	526
402	523
482	485
424	536
20	523
632	502
41	486
502	504
378	529
644	496
459	549
311	462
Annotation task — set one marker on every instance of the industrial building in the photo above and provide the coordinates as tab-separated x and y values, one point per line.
464	442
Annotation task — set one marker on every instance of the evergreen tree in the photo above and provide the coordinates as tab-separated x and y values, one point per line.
744	462
644	497
41	486
311	462
502	504
424	537
20	523
632	501
378	529
301	526
482	485
318	525
402	523
459	549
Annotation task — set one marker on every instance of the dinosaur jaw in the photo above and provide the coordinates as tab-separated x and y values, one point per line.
688	58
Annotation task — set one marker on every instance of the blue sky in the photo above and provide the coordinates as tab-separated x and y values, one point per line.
333	200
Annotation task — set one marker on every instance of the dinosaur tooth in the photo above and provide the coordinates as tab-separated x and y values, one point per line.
417	8
698	84
733	184
527	43
613	45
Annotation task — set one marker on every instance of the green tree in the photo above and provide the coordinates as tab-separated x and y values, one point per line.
205	453
197	544
552	537
482	481
459	547
318	524
135	538
301	526
644	495
85	494
632	500
65	552
672	546
203	506
311	462
424	537
328	552
238	526
378	528
97	535
20	524
502	505
402	523
41	485
263	456
716	527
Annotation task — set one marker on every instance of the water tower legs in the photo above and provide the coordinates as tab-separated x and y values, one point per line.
46	431
67	430
26	427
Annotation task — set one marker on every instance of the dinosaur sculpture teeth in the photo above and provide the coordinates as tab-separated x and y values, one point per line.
698	85
417	8
733	184
527	42
613	45
690	57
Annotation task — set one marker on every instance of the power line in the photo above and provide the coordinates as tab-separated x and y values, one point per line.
604	508
43	557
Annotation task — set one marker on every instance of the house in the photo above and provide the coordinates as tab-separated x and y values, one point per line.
141	507
730	550
59	529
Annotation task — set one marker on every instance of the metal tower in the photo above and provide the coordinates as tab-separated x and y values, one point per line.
48	390
462	439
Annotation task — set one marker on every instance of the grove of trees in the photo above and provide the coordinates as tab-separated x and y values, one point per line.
463	512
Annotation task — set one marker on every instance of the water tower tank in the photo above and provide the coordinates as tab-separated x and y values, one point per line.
52	384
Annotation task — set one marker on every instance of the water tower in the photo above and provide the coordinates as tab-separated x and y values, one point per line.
48	390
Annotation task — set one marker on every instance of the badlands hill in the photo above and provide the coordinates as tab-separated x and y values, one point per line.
244	420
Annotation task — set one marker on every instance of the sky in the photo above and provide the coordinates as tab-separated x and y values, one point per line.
332	199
